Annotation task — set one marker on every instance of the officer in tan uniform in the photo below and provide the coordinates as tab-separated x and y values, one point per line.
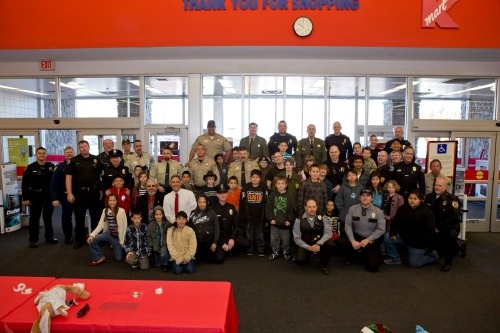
200	165
163	171
214	143
242	167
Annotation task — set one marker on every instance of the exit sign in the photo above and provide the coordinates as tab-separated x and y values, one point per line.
47	65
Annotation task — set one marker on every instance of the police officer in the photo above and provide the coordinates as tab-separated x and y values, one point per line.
336	169
228	222
312	233
200	165
282	136
447	210
408	174
59	197
213	143
342	141
116	168
364	228
35	190
84	189
107	145
163	171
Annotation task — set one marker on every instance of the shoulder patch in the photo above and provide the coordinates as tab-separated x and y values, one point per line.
455	204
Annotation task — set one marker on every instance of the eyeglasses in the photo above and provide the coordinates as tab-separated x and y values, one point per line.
151	186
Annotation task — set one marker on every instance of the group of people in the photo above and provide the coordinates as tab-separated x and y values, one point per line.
313	197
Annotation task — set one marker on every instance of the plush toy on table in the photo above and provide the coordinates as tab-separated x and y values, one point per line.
51	303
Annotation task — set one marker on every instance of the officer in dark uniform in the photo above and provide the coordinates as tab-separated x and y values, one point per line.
282	136
312	233
229	224
342	141
84	189
116	168
408	174
447	209
59	196
107	145
35	191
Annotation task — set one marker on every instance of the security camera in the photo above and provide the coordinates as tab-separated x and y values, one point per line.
57	121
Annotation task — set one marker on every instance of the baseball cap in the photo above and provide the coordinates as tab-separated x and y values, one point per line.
255	172
124	141
365	191
211	123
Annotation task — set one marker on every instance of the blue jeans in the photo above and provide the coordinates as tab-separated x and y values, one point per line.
416	257
95	249
391	247
188	268
162	257
420	257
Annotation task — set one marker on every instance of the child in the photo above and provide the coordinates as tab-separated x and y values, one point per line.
234	193
397	145
136	244
308	161
323	172
312	188
206	227
356	151
156	235
264	165
252	206
181	243
236	154
113	224
209	189
391	202
369	164
292	178
187	183
332	219
283	146
121	192
357	166
374	149
223	169
137	172
140	188
348	194
374	185
280	209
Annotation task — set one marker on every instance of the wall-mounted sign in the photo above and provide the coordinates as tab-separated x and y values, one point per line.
437	13
47	65
190	5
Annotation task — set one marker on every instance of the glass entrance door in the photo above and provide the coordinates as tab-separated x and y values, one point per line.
479	154
173	137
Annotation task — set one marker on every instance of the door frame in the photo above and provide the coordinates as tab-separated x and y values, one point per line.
492	181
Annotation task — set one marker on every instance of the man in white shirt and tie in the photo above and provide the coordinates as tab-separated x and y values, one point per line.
434	173
177	200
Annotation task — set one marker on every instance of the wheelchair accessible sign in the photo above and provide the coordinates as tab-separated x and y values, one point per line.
444	151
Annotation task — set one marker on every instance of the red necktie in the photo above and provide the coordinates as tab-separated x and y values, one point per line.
176	204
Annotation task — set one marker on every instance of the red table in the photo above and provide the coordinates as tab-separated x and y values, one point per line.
182	307
10	299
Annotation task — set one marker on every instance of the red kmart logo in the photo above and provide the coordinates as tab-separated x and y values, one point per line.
436	13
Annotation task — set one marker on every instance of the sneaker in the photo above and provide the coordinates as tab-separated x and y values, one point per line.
324	270
446	267
33	245
287	256
273	256
135	266
261	253
391	262
250	253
